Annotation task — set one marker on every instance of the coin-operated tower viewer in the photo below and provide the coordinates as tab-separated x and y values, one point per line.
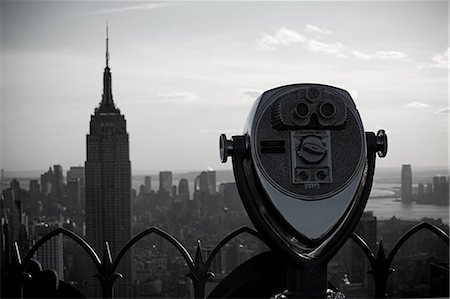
304	168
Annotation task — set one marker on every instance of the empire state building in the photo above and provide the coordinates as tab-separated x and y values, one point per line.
108	182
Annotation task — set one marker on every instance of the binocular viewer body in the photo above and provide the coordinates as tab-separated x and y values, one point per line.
304	168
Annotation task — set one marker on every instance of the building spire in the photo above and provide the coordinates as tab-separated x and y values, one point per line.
107	98
107	46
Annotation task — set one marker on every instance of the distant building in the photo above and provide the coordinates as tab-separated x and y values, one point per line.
205	183
50	254
429	188
47	182
108	183
52	189
183	189
420	189
231	196
147	184
58	184
34	197
217	265
406	183
350	265
4	237
73	191
76	172
165	181
141	190
14	197
2	178
211	174
441	190
436	186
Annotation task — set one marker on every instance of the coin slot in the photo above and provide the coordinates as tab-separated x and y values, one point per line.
273	146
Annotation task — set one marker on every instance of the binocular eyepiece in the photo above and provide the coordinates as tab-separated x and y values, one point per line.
313	108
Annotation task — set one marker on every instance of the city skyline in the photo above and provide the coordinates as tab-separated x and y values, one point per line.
186	72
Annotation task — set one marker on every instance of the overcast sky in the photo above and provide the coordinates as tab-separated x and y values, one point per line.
185	72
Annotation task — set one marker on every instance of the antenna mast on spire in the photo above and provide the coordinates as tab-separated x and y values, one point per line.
107	47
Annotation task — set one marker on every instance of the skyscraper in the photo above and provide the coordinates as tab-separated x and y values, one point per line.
108	182
211	174
406	183
165	181
147	184
183	190
58	184
76	172
50	254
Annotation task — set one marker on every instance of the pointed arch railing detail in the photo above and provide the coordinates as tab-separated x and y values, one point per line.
107	266
381	265
199	273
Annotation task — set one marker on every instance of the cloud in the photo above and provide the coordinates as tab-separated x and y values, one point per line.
177	95
416	104
251	93
337	49
145	6
445	110
282	37
286	37
438	60
379	55
360	55
312	28
389	55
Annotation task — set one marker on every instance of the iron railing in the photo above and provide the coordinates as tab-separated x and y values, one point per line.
17	273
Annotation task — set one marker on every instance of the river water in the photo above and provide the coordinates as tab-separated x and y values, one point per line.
386	207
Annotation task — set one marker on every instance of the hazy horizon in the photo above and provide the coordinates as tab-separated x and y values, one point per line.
182	73
143	172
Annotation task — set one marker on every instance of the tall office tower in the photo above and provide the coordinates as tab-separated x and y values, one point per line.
77	172
443	186
58	184
5	240
436	186
358	263
50	254
406	183
231	197
183	189
420	189
2	178
108	183
73	192
165	181
34	197
440	190
147	184
201	184
205	182
429	189
47	182
13	201
211	174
